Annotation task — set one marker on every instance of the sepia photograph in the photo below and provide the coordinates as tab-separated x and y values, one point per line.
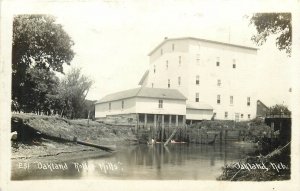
139	92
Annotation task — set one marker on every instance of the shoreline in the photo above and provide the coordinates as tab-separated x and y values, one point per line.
53	151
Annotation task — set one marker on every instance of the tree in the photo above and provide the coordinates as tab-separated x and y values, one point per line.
73	90
279	109
40	47
278	24
40	89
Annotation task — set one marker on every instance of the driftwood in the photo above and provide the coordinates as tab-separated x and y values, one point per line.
172	135
74	140
274	153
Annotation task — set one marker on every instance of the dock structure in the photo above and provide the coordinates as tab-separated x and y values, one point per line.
159	127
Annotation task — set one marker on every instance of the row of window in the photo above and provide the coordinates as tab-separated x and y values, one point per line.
169	82
197	81
198	59
236	115
122	105
231	100
167	64
219	99
218	62
160	104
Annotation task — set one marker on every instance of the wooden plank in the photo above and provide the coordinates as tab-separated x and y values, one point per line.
74	140
172	135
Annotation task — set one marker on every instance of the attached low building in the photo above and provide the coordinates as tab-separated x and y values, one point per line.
142	106
198	111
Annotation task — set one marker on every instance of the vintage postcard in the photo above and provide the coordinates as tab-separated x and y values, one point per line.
130	95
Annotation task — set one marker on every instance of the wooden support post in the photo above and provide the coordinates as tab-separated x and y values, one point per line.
184	127
154	127
221	136
162	127
145	120
198	137
136	125
225	138
170	124
176	120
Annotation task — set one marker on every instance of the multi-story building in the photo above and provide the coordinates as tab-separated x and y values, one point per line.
209	74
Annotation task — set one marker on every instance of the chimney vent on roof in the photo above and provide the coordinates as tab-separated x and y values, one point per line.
166	38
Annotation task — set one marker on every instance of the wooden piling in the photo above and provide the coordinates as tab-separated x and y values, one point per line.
162	127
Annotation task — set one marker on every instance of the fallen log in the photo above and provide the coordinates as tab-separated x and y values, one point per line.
74	140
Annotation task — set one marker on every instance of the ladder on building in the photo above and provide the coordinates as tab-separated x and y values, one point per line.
172	135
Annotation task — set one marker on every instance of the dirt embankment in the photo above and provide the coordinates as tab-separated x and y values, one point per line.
30	145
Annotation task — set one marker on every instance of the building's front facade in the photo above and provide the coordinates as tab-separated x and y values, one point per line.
143	106
209	74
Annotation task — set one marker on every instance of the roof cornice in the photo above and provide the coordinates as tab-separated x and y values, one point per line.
203	40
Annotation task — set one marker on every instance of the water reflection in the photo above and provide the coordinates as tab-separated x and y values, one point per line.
176	161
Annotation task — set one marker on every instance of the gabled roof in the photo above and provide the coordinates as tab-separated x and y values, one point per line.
144	77
259	101
159	93
199	105
200	39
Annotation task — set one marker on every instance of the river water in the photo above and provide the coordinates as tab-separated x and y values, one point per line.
146	162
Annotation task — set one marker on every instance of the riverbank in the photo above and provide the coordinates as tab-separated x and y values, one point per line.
273	166
29	146
50	150
29	125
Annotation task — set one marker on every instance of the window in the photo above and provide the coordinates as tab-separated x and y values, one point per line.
179	80
231	100
167	64
218	99
233	63
242	115
179	60
154	69
249	116
197	80
161	51
248	101
226	114
197	97
109	106
122	104
173	47
198	58
218	61
169	83
219	82
160	103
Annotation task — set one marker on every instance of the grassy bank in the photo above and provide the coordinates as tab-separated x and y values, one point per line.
270	167
29	146
91	131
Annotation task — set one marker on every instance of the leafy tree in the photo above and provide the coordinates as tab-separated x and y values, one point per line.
73	90
279	109
278	24
41	88
40	47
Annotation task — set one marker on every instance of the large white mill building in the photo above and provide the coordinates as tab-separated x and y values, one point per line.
188	79
209	74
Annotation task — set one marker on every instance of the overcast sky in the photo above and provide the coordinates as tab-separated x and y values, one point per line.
113	38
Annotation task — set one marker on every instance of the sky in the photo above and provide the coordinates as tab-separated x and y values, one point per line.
113	38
